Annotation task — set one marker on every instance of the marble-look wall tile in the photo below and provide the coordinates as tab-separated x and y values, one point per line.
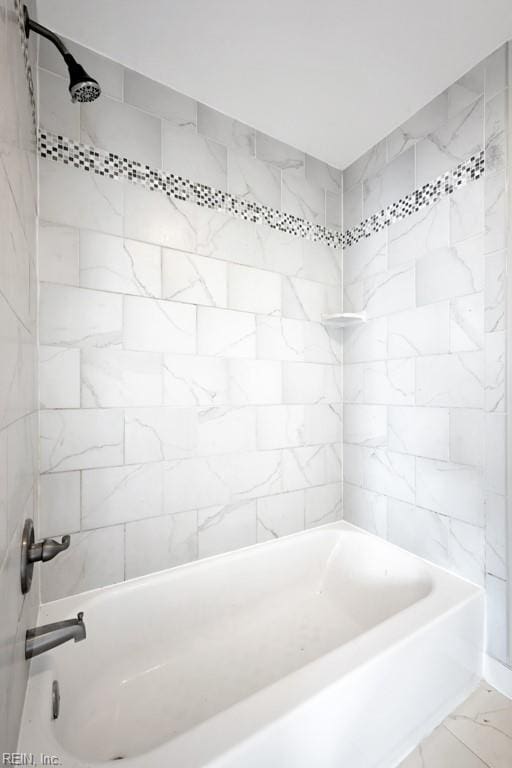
451	380
446	542
194	157
496	132
158	326
254	382
365	509
494	291
419	234
226	333
467	211
495	238
59	377
280	339
323	504
120	494
495	362
467	323
279	154
109	263
59	504
193	279
311	383
395	180
226	430
178	110
63	190
365	424
58	254
466	430
419	431
57	113
366	166
76	317
115	378
116	127
422	331
280	426
223	528
495	453
454	490
301	198
159	543
195	380
159	434
496	591
450	144
280	515
78	439
254	290
450	272
352	205
496	535
95	560
225	130
254	180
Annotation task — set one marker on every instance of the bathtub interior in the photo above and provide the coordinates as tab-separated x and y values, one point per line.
192	642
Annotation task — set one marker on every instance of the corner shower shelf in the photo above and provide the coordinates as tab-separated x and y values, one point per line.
344	319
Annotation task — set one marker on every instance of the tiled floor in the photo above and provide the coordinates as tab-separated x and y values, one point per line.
477	735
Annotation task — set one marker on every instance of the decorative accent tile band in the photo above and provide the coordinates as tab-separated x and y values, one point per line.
428	194
113	166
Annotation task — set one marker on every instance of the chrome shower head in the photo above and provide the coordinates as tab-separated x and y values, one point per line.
82	86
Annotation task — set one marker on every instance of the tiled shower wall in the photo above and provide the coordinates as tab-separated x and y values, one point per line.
190	396
424	379
18	369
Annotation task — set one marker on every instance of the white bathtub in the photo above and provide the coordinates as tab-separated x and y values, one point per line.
329	648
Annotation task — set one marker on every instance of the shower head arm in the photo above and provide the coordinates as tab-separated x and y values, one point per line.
33	26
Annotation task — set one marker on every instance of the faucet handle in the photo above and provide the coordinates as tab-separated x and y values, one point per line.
50	548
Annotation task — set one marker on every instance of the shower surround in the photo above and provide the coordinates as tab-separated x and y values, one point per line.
192	404
191	398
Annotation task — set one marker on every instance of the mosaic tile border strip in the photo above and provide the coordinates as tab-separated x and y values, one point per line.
113	166
470	170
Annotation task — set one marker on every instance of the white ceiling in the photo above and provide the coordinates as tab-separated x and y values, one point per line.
331	77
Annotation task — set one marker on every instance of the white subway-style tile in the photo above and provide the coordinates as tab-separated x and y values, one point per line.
455	380
195	380
159	326
120	494
280	426
224	528
193	279
420	431
59	377
59	504
78	317
455	490
160	543
80	439
225	333
323	504
109	263
194	157
58	254
280	515
254	290
225	430
159	434
116	378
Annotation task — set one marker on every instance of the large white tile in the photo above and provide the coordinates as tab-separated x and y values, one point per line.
160	543
280	515
496	132
467	323
366	257
194	157
59	377
223	528
158	434
301	198
392	182
419	234
59	504
254	290
159	326
322	344
254	180
95	559
110	263
323	504
177	109
496	211
118	127
495	371
119	494
367	341
391	291
495	463
254	382
450	144
112	378
455	490
17	372
322	174
78	317
311	383
449	272
308	300
276	152
483	724
226	333
58	254
80	439
322	423
496	535
451	380
467	211
57	113
365	424
420	431
390	382
309	466
494	291
225	430
225	130
365	509
390	473
446	542
422	331
496	591
70	196
193	279
370	163
195	380
466	430
280	338
280	426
